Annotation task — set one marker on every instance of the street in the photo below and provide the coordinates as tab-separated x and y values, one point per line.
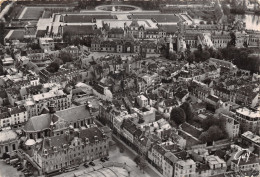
128	157
8	170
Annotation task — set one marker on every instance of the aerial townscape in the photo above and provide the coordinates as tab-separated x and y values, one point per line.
130	88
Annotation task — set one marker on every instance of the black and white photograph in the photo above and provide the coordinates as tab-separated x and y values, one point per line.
129	88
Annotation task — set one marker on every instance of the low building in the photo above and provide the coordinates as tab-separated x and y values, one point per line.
46	44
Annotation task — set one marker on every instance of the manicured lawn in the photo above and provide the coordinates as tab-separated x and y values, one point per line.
33	13
84	18
17	10
161	18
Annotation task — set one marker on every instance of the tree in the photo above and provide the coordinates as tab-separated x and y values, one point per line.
172	56
142	164
214	133
66	57
245	44
53	67
205	55
178	115
232	42
188	111
2	32
67	37
137	160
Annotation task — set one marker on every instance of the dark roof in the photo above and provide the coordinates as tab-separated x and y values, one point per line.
213	98
129	126
81	18
3	94
17	35
181	94
251	160
160	18
40	33
17	110
43	121
92	134
81	30
170	29
170	102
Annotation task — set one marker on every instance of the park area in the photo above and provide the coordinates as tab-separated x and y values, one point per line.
31	13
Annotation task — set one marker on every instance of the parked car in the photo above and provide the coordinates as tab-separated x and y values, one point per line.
7	161
28	173
25	170
20	167
86	165
16	164
14	161
106	158
92	163
102	160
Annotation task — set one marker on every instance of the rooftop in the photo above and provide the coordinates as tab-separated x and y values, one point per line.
7	135
248	112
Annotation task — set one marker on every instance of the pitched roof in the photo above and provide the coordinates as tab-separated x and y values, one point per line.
170	102
38	123
43	121
74	113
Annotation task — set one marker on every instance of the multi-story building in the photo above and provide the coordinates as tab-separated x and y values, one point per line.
14	116
216	165
250	164
142	101
254	39
56	123
70	149
37	103
18	115
220	39
185	168
63	75
249	119
252	140
231	126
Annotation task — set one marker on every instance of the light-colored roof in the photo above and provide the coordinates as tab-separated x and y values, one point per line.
251	136
248	112
30	142
47	95
7	135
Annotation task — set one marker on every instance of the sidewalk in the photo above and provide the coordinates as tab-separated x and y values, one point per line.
130	149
